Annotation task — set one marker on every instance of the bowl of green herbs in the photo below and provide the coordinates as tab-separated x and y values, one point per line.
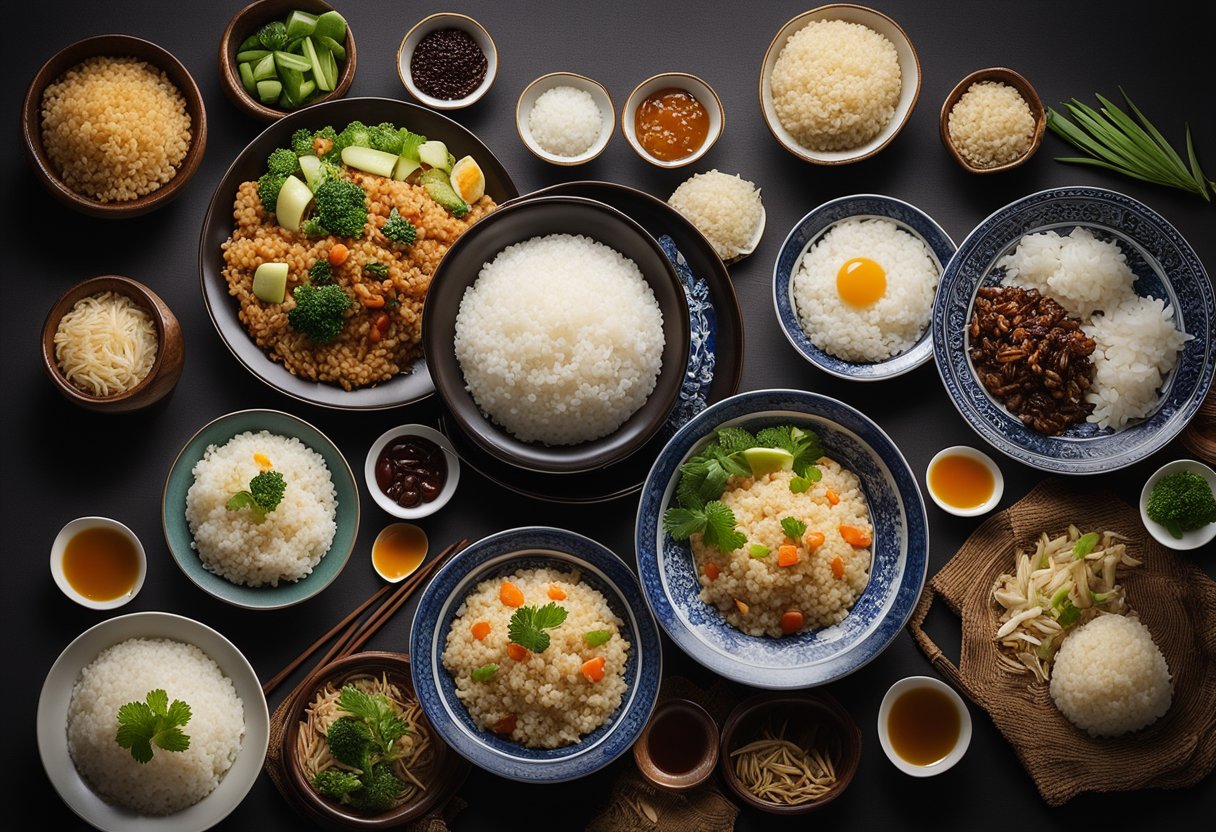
1178	504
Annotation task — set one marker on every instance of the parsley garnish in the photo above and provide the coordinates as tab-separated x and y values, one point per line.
528	625
793	527
715	522
378	269
377	713
140	724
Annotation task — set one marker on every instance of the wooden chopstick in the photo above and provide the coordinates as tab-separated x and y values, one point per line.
356	634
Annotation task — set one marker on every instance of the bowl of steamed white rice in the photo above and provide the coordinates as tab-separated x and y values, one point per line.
557	334
121	661
854	282
220	524
1121	276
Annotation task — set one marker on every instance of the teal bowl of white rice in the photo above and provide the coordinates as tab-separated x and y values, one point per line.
260	559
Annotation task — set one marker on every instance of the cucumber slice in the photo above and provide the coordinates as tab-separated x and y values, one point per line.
264	69
286	60
435	154
314	171
247	81
252	54
269	91
318	74
300	24
440	189
292	79
404	168
306	90
372	161
270	282
333	46
294	199
251	42
331	25
329	66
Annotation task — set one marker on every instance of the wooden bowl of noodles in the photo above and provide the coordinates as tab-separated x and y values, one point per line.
428	769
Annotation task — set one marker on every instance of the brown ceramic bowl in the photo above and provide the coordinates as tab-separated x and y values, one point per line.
1024	88
700	740
804	712
247	21
170	353
118	46
442	778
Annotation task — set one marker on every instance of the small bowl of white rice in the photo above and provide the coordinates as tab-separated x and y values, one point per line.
565	118
557	334
854	283
119	661
286	555
993	120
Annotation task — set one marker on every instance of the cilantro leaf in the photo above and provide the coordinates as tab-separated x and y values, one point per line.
1069	614
720	529
682	523
528	625
800	484
688	490
377	713
776	438
793	527
715	481
154	721
734	440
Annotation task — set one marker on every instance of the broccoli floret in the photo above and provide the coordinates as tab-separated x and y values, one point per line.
321	273
377	270
350	740
386	137
356	133
273	35
336	784
379	790
1182	501
312	228
267	489
324	143
301	142
283	161
398	229
318	313
269	185
341	207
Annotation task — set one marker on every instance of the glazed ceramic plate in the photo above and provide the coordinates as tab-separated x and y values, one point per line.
807	232
501	554
1165	266
57	696
180	539
715	359
249	165
897	572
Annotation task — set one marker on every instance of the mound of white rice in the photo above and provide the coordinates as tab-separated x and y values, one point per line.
171	780
1137	340
292	539
887	327
725	208
835	84
565	121
560	339
1109	677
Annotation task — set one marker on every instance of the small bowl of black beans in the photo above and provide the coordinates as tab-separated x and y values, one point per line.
447	61
411	471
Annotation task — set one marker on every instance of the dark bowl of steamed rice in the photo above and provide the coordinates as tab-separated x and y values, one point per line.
112	345
557	334
104	93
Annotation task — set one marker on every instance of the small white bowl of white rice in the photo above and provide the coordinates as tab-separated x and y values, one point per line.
565	118
557	334
120	660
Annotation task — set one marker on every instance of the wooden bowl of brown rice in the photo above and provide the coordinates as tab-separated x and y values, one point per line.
104	93
111	344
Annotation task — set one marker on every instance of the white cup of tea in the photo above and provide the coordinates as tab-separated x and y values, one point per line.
924	726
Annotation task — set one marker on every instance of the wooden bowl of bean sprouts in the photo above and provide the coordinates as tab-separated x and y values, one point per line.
789	753
428	771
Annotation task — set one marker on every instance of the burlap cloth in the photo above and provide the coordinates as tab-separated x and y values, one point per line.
1174	598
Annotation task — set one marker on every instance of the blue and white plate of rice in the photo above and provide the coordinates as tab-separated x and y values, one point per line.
249	558
854	599
854	283
555	710
1133	285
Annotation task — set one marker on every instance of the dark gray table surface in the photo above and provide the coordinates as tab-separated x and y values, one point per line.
60	462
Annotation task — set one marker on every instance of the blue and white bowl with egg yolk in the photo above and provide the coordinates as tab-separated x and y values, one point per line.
808	231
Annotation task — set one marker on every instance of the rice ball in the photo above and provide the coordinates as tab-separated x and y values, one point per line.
1110	678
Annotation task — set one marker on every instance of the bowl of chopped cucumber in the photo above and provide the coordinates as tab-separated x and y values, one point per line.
278	56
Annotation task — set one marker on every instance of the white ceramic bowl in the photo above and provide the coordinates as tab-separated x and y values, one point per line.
964	726
446	20
422	509
700	90
527	100
56	696
1192	539
75	527
998	481
909	65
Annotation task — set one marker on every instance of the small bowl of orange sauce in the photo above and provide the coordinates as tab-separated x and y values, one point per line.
99	563
964	481
398	551
923	726
672	119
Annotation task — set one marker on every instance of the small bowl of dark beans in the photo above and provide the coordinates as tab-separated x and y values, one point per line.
447	61
411	471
